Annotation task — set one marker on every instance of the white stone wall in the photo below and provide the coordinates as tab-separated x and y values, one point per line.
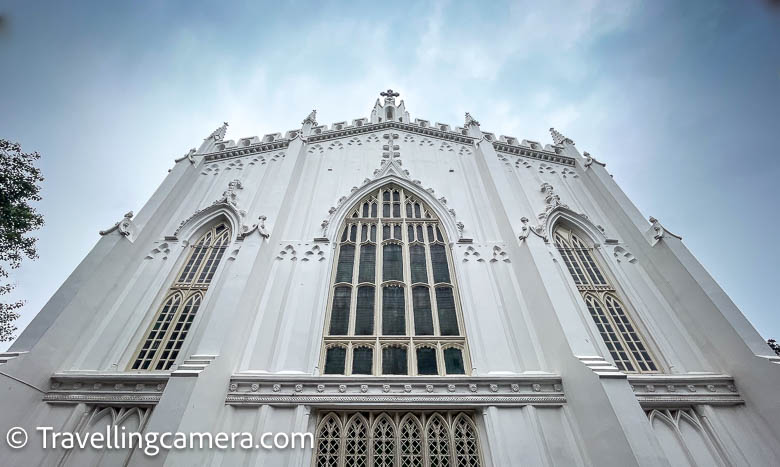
263	315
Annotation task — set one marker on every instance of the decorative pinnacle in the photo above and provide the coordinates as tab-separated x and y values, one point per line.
219	133
389	95
470	120
558	138
311	118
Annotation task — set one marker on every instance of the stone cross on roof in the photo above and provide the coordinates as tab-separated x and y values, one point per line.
389	95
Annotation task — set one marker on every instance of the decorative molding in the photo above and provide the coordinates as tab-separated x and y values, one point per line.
658	390
408	127
602	367
658	232
540	155
416	391
232	152
558	138
125	227
106	388
193	366
228	201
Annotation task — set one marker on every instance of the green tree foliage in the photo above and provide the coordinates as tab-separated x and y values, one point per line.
19	179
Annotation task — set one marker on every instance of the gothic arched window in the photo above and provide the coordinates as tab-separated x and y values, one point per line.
168	330
393	306
619	333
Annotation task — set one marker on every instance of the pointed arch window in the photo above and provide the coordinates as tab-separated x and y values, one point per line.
169	328
397	439
393	307
619	332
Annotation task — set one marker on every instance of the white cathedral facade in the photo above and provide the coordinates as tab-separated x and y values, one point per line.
413	294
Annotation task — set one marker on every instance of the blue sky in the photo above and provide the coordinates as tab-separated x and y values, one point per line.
681	99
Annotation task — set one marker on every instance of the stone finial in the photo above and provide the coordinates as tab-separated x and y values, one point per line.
311	118
470	120
558	138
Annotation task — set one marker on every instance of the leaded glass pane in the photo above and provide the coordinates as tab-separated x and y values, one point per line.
426	361
335	359
366	272
362	361
394	361
423	319
393	315
417	264
393	266
364	313
441	271
448	319
339	315
453	361
346	259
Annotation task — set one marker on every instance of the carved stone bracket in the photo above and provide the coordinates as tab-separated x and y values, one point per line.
684	390
187	156
106	388
125	227
590	160
658	232
418	391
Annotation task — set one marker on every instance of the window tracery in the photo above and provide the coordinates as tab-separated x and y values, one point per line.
425	439
620	334
393	307
168	330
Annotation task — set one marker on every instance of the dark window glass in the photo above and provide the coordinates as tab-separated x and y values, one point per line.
423	319
339	315
365	209
362	361
408	210
396	196
386	232
417	264
448	321
417	210
430	234
344	234
366	271
453	361
386	196
364	313
335	360
346	258
420	233
410	232
393	266
426	361
373	233
353	233
363	233
393	319
373	209
394	361
386	210
438	235
397	232
441	272
396	210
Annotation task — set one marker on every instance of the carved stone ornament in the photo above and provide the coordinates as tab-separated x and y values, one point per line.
125	227
259	227
229	199
470	121
659	231
311	118
558	138
552	202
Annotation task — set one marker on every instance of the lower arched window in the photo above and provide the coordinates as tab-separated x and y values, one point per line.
617	330
169	328
397	439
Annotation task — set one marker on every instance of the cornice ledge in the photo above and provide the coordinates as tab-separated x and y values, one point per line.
659	390
229	153
258	389
107	388
514	150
